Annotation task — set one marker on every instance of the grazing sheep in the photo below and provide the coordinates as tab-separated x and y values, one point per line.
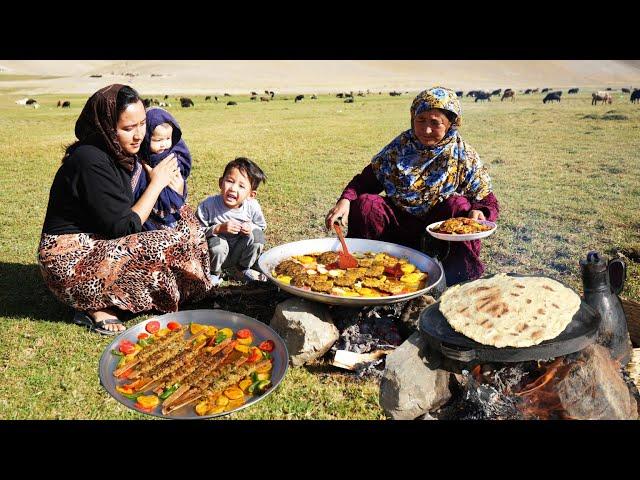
186	102
508	93
551	97
604	97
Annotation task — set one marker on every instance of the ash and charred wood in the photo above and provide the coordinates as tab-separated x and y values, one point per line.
241	290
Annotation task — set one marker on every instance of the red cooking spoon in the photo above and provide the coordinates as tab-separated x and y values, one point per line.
345	259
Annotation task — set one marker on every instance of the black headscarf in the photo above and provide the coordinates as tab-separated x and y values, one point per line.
96	126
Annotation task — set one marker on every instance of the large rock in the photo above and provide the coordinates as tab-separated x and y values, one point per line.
306	329
412	384
595	390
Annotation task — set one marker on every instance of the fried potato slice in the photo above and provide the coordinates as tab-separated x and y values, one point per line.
407	267
413	278
304	259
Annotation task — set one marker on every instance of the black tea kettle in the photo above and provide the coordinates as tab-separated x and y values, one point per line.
602	282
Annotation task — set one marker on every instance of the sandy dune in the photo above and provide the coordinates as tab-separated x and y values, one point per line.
319	76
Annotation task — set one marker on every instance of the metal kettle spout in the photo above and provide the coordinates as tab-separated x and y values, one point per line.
617	270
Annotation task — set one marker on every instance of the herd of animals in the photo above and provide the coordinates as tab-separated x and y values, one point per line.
601	96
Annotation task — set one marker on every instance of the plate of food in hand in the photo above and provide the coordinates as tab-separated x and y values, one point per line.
461	229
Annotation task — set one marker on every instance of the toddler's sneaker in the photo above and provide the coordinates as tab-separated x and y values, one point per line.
251	275
216	280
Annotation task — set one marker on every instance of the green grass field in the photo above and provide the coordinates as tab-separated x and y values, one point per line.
566	176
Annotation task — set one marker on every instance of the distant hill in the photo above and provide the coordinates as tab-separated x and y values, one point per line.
319	76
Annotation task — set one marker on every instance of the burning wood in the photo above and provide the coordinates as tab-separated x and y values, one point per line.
350	360
540	399
585	385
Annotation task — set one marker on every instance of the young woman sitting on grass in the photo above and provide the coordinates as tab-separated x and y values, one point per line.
93	253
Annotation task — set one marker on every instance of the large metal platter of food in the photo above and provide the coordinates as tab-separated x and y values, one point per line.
194	364
386	272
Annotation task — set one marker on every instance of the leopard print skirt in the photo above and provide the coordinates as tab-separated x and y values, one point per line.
149	270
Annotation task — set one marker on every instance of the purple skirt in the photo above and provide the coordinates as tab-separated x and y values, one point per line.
375	217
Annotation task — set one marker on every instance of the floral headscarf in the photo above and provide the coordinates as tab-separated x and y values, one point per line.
416	177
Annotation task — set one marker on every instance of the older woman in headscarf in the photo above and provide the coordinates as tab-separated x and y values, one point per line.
428	174
93	254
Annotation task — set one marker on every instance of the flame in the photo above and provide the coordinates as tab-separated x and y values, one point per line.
477	373
540	398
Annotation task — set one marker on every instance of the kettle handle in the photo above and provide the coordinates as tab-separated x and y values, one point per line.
617	275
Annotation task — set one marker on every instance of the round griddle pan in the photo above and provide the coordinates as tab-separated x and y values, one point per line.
580	333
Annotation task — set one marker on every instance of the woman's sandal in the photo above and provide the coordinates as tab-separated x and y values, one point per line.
82	318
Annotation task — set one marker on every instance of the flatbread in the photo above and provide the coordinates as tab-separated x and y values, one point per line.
506	311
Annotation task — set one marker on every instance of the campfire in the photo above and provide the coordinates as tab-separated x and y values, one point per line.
585	385
507	346
588	384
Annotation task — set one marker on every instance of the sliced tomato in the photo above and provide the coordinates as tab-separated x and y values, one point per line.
125	389
244	333
174	326
152	326
267	346
254	356
144	409
142	336
127	347
395	271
